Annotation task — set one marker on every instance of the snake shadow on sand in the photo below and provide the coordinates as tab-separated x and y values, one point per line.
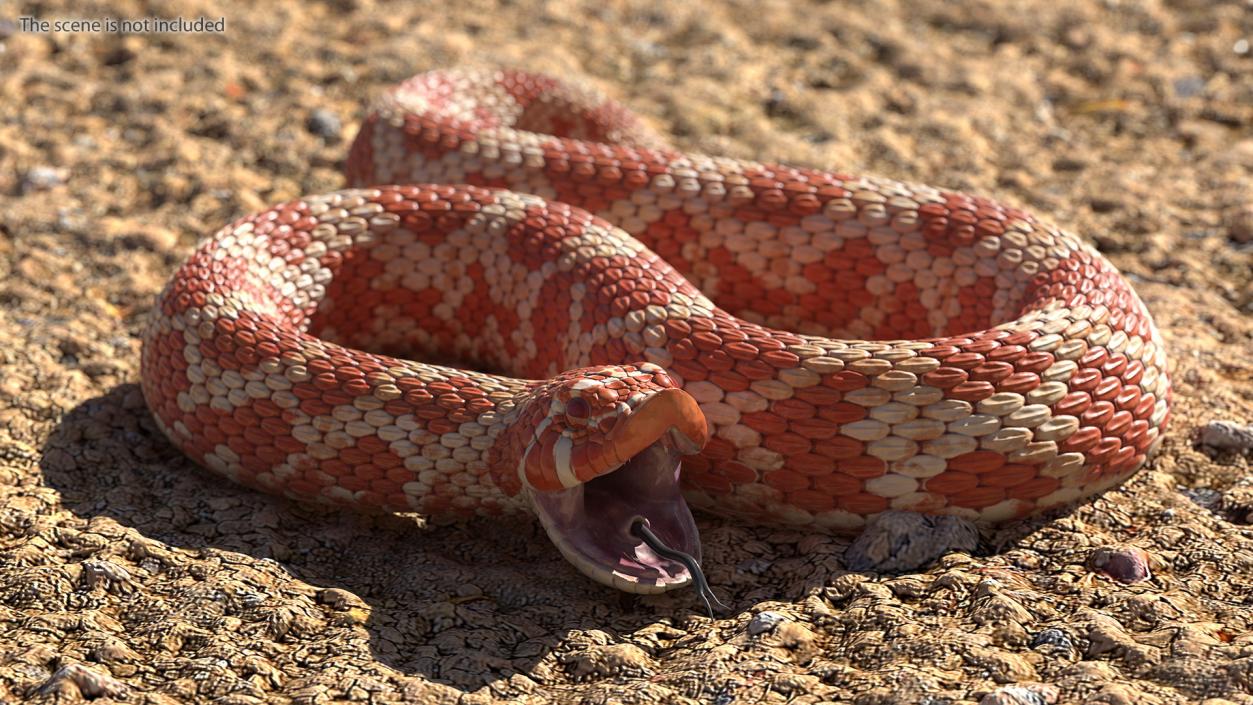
217	565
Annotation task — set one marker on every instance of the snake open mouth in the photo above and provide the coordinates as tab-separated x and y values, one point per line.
593	523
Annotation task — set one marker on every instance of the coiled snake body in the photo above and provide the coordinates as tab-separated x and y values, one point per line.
809	347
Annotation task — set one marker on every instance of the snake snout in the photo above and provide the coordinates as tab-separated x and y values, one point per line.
609	456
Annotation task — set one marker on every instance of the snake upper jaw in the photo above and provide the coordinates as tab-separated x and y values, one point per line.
591	523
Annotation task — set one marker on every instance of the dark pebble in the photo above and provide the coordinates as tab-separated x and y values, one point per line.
1053	641
1127	565
324	124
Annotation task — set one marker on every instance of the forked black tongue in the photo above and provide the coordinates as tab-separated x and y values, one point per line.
639	529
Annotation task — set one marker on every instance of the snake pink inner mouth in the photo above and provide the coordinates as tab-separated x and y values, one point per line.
590	523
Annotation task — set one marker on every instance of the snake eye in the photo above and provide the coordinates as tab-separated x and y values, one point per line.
578	408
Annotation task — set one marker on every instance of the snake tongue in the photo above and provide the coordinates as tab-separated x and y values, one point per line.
591	523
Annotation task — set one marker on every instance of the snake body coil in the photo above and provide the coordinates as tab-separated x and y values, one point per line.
809	347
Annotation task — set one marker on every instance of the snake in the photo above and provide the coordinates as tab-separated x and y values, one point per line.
527	301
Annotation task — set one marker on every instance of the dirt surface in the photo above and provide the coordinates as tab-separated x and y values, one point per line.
126	573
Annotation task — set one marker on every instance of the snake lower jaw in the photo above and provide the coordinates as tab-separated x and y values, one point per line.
591	523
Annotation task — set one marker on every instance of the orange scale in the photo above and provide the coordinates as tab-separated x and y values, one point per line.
977	462
228	426
256	436
729	381
357	387
537	476
811	464
1094	357
786	480
738	473
1073	404
696	464
692	372
1107	389
1150	436
978	497
599	460
719	450
862	503
787	444
325	381
951	481
1118	423
837	484
303	488
336	397
441	426
1034	489
712	483
839	448
1123	459
352	483
1081	440
945	377
1138	435
1100	453
811	501
368	472
862	466
386	490
683	348
1098	414
1022	337
1010	475
287	444
1134	373
972	391
386	461
846	381
398	477
354	456
793	409
1115	366
982	346
765	422
1085	379
755	370
269	456
814	428
240	445
820	397
1128	398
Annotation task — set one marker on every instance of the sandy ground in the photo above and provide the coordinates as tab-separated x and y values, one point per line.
127	573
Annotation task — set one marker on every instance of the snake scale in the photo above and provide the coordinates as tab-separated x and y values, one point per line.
548	309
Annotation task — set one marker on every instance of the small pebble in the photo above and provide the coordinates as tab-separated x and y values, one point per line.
1189	86
1239	222
896	542
754	566
41	178
339	599
1033	694
1053	641
765	622
1205	497
1128	565
1226	435
324	124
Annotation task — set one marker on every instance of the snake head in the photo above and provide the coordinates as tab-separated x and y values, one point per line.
602	450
